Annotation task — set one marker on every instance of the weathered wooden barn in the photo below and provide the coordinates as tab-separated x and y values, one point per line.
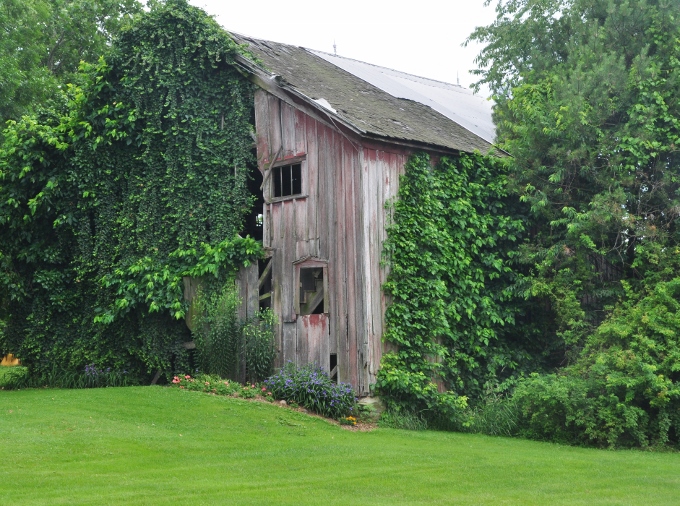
333	135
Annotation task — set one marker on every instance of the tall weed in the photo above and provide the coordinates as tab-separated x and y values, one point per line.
402	419
259	346
217	334
227	347
495	416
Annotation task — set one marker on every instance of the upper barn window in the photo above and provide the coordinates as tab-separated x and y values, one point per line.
287	180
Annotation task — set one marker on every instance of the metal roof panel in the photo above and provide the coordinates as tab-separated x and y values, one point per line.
455	102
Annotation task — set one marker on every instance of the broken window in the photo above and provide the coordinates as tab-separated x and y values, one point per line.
311	291
287	180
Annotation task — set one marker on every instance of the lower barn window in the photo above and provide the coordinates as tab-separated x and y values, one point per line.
311	291
287	180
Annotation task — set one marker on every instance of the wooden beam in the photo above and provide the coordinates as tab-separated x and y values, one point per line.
266	272
268	172
314	303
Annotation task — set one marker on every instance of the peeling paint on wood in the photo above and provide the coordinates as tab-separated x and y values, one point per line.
341	218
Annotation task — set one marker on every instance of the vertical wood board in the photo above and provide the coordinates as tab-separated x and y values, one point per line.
290	342
274	126
262	127
287	130
300	132
312	183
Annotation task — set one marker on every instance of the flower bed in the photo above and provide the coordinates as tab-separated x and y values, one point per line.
215	385
310	387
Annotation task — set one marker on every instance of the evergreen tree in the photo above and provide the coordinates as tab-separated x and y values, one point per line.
587	103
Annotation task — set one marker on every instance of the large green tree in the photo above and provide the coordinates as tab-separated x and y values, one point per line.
42	43
588	103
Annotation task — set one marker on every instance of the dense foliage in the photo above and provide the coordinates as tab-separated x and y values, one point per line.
624	389
42	43
106	205
453	306
587	103
226	346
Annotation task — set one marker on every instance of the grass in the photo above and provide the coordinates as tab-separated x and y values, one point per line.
154	445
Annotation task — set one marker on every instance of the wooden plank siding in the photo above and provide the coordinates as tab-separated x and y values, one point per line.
339	220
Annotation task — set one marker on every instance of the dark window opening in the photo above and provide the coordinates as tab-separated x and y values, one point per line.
334	367
265	283
287	180
311	291
253	222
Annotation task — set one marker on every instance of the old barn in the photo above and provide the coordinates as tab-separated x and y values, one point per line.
333	135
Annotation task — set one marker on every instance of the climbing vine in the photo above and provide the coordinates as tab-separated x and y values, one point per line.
107	205
450	250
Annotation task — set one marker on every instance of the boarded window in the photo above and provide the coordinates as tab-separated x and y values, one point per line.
311	291
287	180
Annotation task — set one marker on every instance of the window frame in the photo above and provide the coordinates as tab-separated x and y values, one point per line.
290	161
310	263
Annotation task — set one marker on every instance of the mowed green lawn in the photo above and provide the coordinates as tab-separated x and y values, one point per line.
155	445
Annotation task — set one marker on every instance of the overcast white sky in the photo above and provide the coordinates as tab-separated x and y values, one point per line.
422	37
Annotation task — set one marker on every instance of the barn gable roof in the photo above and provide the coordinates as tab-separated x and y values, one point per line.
378	102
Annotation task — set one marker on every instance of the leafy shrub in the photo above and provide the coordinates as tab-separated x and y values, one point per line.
624	390
570	409
259	346
310	387
12	377
407	390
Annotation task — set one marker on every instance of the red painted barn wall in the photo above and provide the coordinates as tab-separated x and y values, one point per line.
341	219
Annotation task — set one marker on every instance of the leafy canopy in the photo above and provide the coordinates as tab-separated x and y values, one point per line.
42	43
587	103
